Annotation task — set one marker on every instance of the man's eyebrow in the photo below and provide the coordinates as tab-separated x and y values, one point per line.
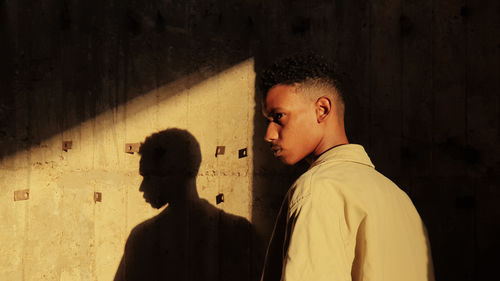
264	112
271	113
276	110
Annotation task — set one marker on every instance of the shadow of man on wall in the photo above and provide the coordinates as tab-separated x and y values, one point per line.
190	239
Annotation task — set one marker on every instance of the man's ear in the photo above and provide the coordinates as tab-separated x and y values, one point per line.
323	108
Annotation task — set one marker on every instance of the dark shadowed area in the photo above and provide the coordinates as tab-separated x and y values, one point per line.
190	239
421	81
65	62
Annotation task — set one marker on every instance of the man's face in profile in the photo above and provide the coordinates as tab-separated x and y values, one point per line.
291	128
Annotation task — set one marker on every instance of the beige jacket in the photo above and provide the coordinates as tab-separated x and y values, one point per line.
343	220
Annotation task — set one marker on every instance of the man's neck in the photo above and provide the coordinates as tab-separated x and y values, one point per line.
328	142
312	157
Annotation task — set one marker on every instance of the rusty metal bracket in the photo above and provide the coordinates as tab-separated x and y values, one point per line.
66	145
97	197
20	195
242	153
132	147
219	198
220	150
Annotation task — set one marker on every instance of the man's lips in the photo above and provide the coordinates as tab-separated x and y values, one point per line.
276	150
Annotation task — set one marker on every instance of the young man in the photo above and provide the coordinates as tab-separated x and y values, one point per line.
341	220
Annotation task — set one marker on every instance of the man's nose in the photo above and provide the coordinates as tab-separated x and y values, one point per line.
271	132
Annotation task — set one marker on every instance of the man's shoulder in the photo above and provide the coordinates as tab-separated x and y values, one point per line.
313	181
344	179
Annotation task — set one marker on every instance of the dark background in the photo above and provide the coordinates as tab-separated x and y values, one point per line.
422	80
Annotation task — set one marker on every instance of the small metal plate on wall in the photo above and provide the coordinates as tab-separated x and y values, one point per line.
219	198
242	153
132	147
20	195
97	197
66	145
220	150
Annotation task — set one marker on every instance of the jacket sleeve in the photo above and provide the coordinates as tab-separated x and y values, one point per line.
315	248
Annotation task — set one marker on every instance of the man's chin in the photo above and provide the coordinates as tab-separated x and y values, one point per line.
287	161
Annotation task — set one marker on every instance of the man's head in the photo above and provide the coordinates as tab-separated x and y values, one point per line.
169	159
304	106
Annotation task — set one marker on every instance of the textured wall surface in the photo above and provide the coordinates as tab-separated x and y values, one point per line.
60	233
102	75
422	79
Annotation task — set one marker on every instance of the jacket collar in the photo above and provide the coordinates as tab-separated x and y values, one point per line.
347	153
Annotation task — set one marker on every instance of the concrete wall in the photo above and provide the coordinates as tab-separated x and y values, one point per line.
61	233
102	75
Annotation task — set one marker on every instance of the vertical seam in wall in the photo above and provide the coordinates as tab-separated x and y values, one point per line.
26	220
402	93
466	79
28	178
188	90
126	58
498	71
188	104
157	93
116	104
249	140
466	129
60	257
93	120
218	173
113	130
116	81
433	98
63	124
370	77
94	247
250	109
217	114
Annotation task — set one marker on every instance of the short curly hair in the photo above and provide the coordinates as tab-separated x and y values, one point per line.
299	68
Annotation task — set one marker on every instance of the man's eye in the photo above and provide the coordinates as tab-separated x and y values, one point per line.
278	116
